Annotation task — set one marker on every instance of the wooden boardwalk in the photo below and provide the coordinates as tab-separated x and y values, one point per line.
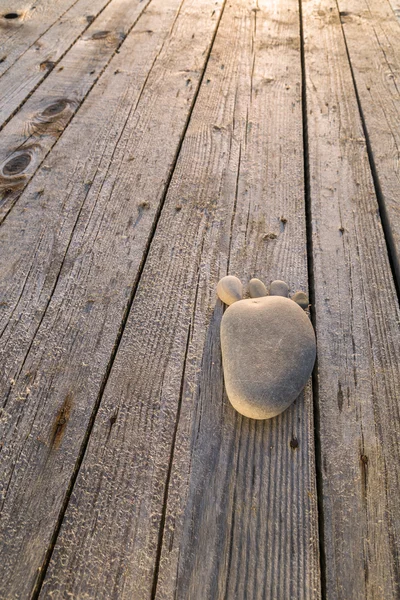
147	148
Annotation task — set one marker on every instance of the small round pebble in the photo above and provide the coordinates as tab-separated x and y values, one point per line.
257	289
301	299
230	289
279	288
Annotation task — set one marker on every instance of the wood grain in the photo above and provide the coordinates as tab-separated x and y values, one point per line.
71	252
372	35
41	121
18	82
23	22
357	320
178	496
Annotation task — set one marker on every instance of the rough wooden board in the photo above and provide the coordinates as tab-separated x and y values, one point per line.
35	17
372	36
36	127
18	82
395	4
239	496
71	257
357	319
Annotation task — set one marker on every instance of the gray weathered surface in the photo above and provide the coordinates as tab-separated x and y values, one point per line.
34	18
171	469
137	179
372	35
357	321
39	123
35	63
71	250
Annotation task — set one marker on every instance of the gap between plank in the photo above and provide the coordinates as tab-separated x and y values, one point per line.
165	501
21	104
85	442
95	80
41	35
171	460
387	231
311	291
73	231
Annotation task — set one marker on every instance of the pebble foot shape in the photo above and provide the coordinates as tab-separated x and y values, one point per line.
268	354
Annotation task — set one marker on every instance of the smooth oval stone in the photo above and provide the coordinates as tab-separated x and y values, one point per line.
257	289
268	354
230	289
301	299
279	288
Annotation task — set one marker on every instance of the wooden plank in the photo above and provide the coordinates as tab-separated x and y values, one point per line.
22	23
171	470
18	82
373	41
357	321
37	126
395	4
71	251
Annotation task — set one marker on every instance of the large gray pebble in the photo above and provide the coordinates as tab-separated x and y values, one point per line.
268	352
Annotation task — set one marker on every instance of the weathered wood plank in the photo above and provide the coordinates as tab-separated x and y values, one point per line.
395	4
18	82
22	23
372	36
357	320
34	130
71	250
171	469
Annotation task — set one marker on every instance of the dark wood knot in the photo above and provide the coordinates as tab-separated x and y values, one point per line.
55	108
11	15
99	35
17	164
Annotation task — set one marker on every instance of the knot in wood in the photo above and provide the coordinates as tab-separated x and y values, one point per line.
99	35
55	108
17	164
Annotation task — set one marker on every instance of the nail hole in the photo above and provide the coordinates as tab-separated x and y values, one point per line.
17	164
11	15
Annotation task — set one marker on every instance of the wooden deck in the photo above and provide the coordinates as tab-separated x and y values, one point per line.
147	148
